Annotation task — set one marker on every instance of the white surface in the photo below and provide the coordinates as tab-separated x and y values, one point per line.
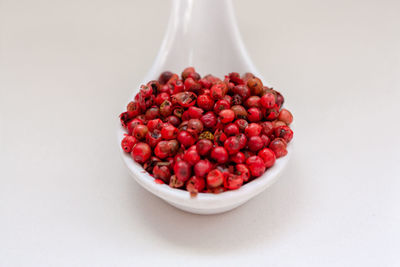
67	200
220	53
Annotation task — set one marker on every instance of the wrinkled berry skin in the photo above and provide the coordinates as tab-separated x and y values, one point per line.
206	134
278	145
256	166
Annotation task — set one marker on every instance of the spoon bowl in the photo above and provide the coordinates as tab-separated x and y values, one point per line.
203	34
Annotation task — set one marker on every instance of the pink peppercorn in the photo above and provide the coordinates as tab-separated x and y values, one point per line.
141	152
256	166
215	178
128	142
219	154
268	156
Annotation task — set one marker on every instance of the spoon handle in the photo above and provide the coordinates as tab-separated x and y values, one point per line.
203	34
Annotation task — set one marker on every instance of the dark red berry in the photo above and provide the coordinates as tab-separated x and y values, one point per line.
191	156
186	139
195	112
255	143
182	170
195	185
231	129
209	119
278	145
162	172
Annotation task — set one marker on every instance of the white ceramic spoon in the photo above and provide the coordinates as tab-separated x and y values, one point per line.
203	34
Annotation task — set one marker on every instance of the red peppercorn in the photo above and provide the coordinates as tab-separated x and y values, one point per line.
255	85
227	115
267	128
284	132
243	171
205	102
218	91
220	155
242	124
265	140
253	129
166	108
242	90
186	139
268	100
204	147
191	156
155	124
278	145
140	131
128	142
215	178
232	145
152	113
231	129
169	132
209	119
184	99
285	116
132	124
254	114
174	120
172	114
152	138
196	125
162	172
233	181
195	185
240	112
255	143
238	158
141	152
161	97
253	102
256	166
182	170
202	168
221	105
195	112
268	156
162	150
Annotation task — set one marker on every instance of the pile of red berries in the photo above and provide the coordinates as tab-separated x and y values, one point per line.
206	134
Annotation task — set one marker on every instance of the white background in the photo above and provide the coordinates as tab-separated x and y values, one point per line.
66	199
